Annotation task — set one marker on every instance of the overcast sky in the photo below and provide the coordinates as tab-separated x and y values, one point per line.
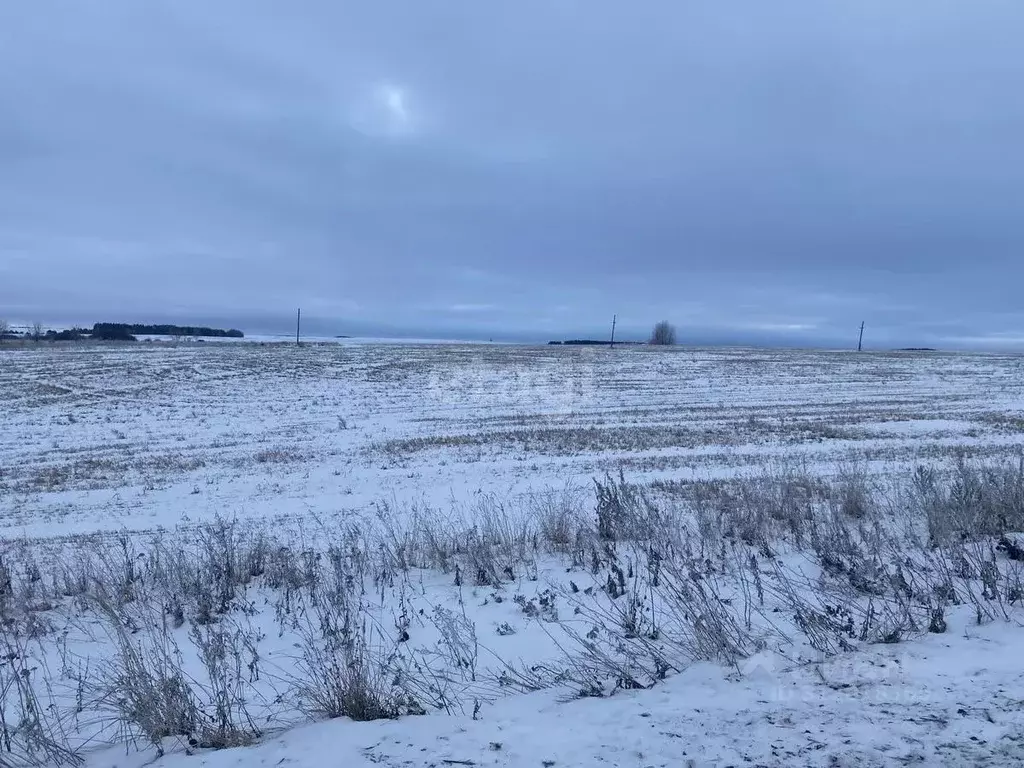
755	171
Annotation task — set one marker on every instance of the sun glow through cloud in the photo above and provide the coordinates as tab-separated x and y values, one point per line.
394	99
383	110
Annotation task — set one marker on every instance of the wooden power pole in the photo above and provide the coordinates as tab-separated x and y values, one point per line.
612	345
860	341
298	325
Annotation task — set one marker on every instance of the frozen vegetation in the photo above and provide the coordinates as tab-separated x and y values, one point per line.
434	555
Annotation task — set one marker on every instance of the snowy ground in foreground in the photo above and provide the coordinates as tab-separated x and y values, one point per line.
952	700
111	439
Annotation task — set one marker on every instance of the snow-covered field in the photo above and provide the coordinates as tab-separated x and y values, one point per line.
791	569
148	436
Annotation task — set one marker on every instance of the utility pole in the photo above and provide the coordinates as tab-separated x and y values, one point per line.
612	345
298	324
860	341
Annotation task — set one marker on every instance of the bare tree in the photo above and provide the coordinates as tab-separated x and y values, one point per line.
5	328
37	331
664	334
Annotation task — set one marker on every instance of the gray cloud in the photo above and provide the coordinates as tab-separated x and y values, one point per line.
756	172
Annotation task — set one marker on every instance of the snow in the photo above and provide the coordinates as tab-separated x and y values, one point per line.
946	700
285	338
154	439
130	433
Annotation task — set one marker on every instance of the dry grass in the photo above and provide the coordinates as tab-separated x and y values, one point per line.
716	573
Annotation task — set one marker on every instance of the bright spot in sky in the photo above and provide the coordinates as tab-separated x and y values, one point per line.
394	99
383	110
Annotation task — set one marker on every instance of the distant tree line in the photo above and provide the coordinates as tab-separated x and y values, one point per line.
70	334
33	332
128	331
663	334
113	332
593	342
